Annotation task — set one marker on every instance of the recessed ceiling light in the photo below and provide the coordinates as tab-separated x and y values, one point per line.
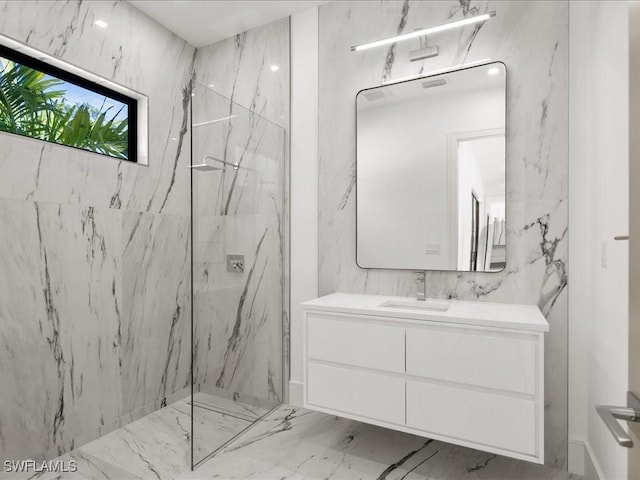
101	23
211	85
193	94
493	71
274	68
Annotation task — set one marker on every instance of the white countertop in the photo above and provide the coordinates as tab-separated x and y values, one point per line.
502	315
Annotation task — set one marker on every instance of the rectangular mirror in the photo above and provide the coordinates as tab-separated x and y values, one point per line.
431	172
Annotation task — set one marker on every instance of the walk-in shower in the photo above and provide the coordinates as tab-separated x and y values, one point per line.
238	210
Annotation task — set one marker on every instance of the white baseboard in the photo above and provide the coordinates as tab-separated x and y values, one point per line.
592	470
295	393
577	454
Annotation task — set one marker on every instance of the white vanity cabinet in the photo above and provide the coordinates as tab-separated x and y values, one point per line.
472	375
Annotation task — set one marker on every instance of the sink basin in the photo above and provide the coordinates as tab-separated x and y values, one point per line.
416	305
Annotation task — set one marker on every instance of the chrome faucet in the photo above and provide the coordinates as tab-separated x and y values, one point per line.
421	286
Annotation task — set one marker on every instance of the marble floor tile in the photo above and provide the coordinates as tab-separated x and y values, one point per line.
288	443
89	467
298	444
211	429
156	446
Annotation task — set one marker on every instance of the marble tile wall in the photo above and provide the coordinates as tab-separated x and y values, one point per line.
241	319
94	270
531	38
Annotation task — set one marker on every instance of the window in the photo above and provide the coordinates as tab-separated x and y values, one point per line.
46	102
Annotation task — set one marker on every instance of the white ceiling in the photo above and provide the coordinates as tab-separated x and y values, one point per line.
202	22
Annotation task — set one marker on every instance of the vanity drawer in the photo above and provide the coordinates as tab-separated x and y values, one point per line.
474	357
484	418
357	393
335	339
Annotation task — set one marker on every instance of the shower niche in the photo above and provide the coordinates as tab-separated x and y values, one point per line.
238	206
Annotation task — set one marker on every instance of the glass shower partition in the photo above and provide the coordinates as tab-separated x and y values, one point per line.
238	172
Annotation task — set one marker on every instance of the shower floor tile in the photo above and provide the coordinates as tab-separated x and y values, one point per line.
211	429
288	443
155	446
229	407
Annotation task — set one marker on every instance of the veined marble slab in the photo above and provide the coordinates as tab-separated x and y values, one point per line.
60	274
248	78
156	303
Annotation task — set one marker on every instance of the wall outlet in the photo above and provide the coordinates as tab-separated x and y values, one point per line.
432	249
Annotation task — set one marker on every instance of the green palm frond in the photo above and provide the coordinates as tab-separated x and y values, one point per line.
33	104
25	94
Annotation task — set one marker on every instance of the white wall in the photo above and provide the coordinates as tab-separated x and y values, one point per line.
598	211
304	181
581	244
